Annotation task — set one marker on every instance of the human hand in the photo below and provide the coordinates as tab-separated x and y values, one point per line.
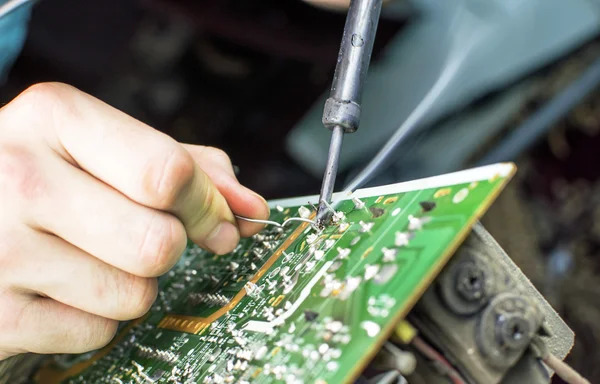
94	205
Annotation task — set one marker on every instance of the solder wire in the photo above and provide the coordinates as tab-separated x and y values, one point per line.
270	222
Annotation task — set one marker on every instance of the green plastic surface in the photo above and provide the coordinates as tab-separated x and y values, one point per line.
328	331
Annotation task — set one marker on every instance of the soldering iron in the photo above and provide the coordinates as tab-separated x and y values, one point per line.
342	109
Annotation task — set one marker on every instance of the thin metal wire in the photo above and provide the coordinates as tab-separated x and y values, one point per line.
270	222
267	222
292	219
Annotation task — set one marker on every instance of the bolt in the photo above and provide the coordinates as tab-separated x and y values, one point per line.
512	331
471	282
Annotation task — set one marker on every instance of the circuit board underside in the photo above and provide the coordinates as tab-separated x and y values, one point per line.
295	304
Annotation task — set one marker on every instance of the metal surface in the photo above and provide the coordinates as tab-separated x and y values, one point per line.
342	110
470	339
343	106
275	223
335	148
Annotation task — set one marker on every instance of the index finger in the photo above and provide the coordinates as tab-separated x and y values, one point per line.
147	166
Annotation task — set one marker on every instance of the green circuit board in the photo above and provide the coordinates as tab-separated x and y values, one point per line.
298	304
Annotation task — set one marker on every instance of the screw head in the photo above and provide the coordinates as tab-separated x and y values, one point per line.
513	331
471	282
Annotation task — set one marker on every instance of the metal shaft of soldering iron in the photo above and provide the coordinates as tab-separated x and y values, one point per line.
342	109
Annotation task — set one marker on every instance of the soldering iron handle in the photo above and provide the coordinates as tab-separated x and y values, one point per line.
343	106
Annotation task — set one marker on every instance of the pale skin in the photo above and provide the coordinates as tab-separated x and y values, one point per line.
95	205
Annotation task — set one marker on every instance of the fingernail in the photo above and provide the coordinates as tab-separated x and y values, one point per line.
265	203
268	210
223	239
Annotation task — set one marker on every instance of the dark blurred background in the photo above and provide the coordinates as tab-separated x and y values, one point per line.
232	74
244	75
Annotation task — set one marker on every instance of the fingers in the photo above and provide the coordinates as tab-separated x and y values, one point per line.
104	223
42	325
241	200
46	263
96	205
145	165
148	167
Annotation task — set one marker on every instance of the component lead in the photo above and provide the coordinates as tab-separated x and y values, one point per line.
402	239
389	254
358	203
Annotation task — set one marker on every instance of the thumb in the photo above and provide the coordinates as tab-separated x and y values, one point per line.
242	201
